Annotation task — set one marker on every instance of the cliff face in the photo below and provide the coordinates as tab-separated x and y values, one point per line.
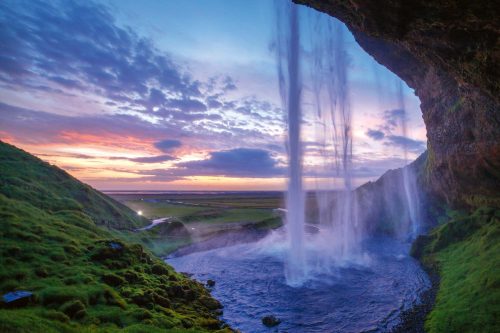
449	52
383	207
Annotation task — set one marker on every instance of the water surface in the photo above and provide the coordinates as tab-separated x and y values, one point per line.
348	297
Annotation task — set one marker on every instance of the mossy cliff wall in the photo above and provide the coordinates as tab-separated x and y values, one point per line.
448	51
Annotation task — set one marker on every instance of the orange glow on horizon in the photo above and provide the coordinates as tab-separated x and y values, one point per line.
92	167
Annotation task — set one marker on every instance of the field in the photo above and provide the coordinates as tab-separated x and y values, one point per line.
194	217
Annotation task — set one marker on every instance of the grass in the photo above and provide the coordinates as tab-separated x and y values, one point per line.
262	200
233	215
64	241
198	215
466	253
26	178
154	240
157	207
152	209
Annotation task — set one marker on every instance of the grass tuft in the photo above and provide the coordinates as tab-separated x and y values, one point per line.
466	253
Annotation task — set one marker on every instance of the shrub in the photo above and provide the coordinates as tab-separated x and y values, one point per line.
113	298
56	315
74	309
61	295
159	269
113	279
110	315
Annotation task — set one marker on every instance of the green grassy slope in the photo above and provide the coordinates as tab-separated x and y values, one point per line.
465	252
54	243
24	177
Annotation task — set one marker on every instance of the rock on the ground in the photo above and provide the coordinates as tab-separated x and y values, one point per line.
270	321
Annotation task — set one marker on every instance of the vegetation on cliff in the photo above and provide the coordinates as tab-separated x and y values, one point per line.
59	242
465	251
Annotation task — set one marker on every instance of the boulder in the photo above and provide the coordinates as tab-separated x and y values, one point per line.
210	303
270	321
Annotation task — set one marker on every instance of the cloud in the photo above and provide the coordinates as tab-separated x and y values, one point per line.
167	145
129	132
38	127
146	159
156	98
405	143
106	88
213	102
375	134
393	117
187	105
228	84
76	45
152	159
239	162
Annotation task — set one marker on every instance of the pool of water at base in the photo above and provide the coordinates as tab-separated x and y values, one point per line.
359	296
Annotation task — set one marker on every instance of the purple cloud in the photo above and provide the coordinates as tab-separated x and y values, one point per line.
228	84
38	127
152	159
167	145
239	162
392	118
406	143
187	105
78	46
375	134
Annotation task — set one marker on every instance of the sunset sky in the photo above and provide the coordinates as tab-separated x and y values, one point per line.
173	95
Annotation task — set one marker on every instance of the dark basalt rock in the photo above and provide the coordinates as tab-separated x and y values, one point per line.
171	228
210	303
115	245
270	321
175	291
210	283
189	295
417	248
448	51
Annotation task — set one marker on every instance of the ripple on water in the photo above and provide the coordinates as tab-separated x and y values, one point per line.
352	298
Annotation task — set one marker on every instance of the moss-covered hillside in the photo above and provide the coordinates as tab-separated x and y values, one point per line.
53	243
465	251
26	178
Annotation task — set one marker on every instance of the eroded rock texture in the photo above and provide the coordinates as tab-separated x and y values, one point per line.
448	51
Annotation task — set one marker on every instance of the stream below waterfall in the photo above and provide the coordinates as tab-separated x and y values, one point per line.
348	297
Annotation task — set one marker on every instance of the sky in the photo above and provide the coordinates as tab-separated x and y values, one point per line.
176	95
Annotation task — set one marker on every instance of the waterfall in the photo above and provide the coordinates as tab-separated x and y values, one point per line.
409	178
333	120
288	55
322	99
407	208
327	62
